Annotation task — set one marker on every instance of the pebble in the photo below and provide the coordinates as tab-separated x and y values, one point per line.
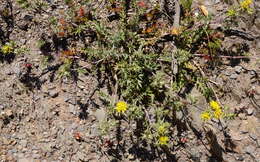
242	116
72	109
23	143
13	151
227	73
100	114
179	115
94	130
238	69
252	72
233	76
249	149
8	113
36	156
66	98
195	155
24	150
53	93
240	158
253	136
8	72
250	111
19	147
23	41
2	107
80	156
130	157
35	151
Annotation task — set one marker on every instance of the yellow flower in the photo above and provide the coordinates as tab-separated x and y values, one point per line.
245	4
214	105
218	113
163	140
121	107
205	116
6	49
175	31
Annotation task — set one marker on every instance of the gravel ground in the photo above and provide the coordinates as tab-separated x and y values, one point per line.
57	120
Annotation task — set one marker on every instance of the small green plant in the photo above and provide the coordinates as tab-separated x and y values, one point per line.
235	12
146	82
149	67
10	48
65	69
23	3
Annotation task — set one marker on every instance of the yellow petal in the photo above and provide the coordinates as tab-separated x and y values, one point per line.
204	10
175	31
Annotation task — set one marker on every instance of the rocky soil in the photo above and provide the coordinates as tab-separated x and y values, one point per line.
45	118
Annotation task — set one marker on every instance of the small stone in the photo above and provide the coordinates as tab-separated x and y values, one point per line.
227	73
36	156
24	150
9	113
179	115
249	125
53	93
240	158
2	107
238	69
100	114
252	72
23	41
80	156
24	25
72	109
8	72
28	17
242	116
195	155
233	76
19	147
13	151
66	98
253	136
130	157
94	130
23	143
35	151
236	135
249	149
250	111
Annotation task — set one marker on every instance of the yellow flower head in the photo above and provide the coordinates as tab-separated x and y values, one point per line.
214	105
205	116
121	107
218	113
6	49
163	140
175	31
245	5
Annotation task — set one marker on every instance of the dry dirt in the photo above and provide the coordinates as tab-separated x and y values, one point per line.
46	119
